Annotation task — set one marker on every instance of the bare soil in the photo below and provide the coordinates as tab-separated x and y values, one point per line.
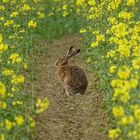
74	118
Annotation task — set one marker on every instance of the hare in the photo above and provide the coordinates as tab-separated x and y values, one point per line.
73	78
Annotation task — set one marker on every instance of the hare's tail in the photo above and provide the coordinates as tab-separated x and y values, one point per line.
78	94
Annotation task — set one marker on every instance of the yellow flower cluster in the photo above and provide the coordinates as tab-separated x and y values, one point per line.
3	47
41	105
17	79
32	24
15	58
2	89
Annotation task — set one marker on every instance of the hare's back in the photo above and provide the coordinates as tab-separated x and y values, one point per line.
76	79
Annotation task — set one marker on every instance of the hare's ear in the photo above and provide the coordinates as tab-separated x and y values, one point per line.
74	53
69	51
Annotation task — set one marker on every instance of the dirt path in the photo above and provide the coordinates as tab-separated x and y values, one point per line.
76	118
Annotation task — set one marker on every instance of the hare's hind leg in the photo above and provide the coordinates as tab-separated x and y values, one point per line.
68	90
67	93
64	91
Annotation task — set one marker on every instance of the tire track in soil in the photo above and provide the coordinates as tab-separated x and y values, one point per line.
75	118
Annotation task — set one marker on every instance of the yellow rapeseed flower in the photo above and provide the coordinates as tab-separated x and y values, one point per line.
5	1
136	63
94	44
40	14
113	5
83	30
2	18
8	124
2	89
19	119
25	66
137	113
8	23
112	68
111	53
2	136
2	8
133	83
64	7
125	97
112	20
118	111
126	120
32	122
130	2
26	7
17	103
125	15
124	72
80	2
3	47
124	51
13	14
92	2
17	79
3	105
32	24
114	133
15	57
7	72
100	37
41	105
117	83
65	13
122	93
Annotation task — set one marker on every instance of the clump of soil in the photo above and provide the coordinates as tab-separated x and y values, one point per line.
74	118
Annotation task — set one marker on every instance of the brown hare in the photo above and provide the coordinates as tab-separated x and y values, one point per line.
73	78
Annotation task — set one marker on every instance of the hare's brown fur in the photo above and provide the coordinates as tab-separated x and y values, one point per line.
73	77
